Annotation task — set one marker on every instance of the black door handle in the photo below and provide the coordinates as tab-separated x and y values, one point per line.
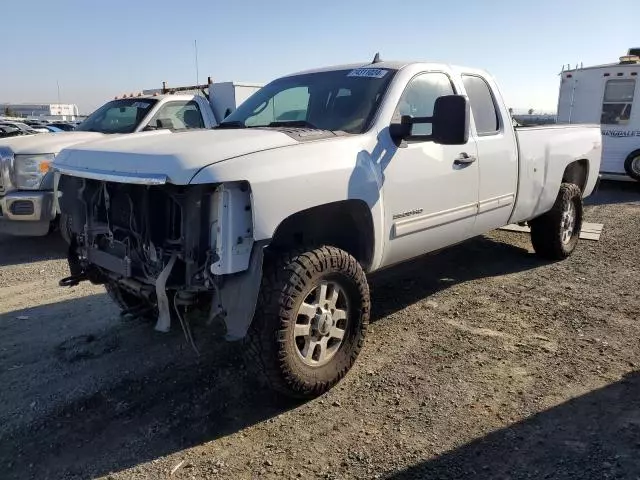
464	159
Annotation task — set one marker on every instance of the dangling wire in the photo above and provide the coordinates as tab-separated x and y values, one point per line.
185	326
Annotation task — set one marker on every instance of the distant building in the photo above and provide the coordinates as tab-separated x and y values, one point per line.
42	111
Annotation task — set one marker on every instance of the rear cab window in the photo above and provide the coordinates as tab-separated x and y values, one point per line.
483	105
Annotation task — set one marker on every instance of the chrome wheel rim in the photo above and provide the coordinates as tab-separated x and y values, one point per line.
568	223
635	165
321	324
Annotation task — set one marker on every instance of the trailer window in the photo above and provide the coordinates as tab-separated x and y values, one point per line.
618	99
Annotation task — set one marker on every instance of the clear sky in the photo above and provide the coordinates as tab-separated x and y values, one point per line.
96	49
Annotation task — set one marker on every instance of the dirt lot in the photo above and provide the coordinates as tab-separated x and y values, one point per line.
482	362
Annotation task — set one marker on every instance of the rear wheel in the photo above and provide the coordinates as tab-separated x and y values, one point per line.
555	234
632	165
311	320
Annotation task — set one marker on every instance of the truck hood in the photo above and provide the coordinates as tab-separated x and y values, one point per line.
55	142
47	142
179	156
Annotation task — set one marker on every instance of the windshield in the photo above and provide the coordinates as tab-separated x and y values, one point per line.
338	100
118	116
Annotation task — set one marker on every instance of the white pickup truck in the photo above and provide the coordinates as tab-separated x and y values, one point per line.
272	220
27	201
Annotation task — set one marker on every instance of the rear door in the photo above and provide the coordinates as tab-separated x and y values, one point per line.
497	153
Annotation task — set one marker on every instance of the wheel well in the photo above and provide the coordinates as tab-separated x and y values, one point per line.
577	173
633	154
347	225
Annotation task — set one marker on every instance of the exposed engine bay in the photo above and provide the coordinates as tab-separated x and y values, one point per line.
166	250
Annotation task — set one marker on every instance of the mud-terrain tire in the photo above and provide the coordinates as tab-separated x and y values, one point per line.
555	234
632	165
311	320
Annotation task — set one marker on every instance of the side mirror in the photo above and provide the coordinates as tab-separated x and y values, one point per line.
449	123
401	131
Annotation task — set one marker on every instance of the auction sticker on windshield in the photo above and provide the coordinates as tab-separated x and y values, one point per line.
368	72
141	105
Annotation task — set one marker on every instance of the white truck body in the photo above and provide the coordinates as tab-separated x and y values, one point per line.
378	185
607	95
455	204
29	211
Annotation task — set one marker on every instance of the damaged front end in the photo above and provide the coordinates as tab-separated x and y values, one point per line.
173	252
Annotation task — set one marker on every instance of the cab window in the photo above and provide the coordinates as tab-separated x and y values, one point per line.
178	115
419	97
483	106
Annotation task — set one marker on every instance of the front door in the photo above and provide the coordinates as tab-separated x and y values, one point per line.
430	200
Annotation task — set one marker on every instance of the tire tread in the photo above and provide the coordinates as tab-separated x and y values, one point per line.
546	229
284	277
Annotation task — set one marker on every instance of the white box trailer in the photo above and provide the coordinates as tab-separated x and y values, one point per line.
609	95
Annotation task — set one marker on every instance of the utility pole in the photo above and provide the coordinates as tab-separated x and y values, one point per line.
58	84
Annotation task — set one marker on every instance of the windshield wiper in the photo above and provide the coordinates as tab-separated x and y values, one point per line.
232	124
294	123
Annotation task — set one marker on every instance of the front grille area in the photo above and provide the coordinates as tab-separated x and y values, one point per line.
134	230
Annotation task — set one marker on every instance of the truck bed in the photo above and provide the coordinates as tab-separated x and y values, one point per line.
545	151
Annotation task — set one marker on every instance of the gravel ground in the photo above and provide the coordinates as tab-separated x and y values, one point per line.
482	362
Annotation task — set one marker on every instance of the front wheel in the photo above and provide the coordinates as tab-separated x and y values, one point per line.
555	234
311	320
129	304
64	226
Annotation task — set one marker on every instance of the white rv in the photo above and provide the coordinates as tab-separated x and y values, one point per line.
609	95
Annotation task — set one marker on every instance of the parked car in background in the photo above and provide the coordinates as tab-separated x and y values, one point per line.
41	128
23	127
32	185
52	129
608	95
67	127
272	221
10	131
